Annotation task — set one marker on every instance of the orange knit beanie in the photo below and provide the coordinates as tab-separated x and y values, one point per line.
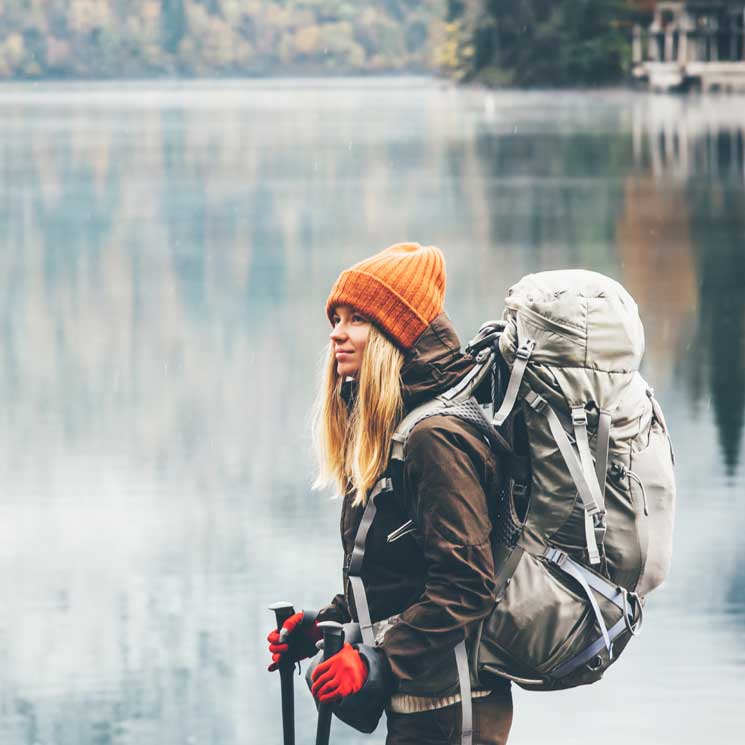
401	289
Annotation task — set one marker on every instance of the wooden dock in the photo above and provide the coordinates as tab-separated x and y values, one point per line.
692	45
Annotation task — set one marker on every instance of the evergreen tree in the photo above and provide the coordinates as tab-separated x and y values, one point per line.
540	42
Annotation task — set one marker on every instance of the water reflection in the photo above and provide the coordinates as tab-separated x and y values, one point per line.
694	150
717	361
682	139
165	255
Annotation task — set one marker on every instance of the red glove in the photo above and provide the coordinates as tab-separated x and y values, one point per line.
341	675
297	640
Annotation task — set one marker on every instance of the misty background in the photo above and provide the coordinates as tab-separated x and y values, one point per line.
166	248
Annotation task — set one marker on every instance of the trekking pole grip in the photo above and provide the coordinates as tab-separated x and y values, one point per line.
333	638
282	611
333	641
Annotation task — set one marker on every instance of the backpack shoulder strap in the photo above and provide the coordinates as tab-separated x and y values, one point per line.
401	435
468	410
456	401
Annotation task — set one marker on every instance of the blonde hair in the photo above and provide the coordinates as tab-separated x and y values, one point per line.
352	444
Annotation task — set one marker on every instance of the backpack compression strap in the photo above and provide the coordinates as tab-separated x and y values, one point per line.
589	478
580	469
590	582
601	450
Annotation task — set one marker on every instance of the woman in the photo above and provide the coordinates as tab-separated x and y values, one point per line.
392	348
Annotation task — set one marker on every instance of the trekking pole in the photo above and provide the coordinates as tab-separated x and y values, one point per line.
282	611
333	641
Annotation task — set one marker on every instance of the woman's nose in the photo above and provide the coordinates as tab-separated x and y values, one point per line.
338	333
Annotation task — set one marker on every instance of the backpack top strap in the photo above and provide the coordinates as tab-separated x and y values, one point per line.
516	378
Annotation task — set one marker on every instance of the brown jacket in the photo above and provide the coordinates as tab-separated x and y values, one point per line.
441	579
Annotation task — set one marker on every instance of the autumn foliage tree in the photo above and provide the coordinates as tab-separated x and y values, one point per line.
115	38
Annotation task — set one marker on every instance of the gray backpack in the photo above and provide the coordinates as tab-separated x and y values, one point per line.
583	525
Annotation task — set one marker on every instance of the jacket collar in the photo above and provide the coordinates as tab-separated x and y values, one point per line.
434	364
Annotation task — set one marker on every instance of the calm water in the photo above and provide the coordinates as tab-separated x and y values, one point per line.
165	254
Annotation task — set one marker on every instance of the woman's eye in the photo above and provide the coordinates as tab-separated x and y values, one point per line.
359	319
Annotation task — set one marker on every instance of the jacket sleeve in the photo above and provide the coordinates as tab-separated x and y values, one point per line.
337	610
444	469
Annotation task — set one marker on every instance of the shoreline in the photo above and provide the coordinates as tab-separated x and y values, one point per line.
387	81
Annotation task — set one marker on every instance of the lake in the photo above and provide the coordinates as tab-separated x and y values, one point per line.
166	252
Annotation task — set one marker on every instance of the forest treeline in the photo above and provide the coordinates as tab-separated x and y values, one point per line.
540	42
499	42
130	38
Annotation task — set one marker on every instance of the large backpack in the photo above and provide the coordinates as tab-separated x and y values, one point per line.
583	523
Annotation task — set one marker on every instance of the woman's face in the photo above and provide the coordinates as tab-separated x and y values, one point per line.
349	338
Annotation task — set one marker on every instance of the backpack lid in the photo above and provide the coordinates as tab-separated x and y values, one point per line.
577	318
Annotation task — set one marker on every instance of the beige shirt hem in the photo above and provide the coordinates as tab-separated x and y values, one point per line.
402	703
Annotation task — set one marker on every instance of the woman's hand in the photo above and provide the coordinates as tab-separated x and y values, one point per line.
341	675
296	641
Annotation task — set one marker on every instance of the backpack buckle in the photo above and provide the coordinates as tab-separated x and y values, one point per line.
579	416
628	611
536	401
525	349
488	333
599	528
555	555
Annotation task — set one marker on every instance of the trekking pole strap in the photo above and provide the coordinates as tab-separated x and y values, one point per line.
464	681
516	378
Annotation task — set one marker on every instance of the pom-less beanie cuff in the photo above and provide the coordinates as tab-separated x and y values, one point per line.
400	289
